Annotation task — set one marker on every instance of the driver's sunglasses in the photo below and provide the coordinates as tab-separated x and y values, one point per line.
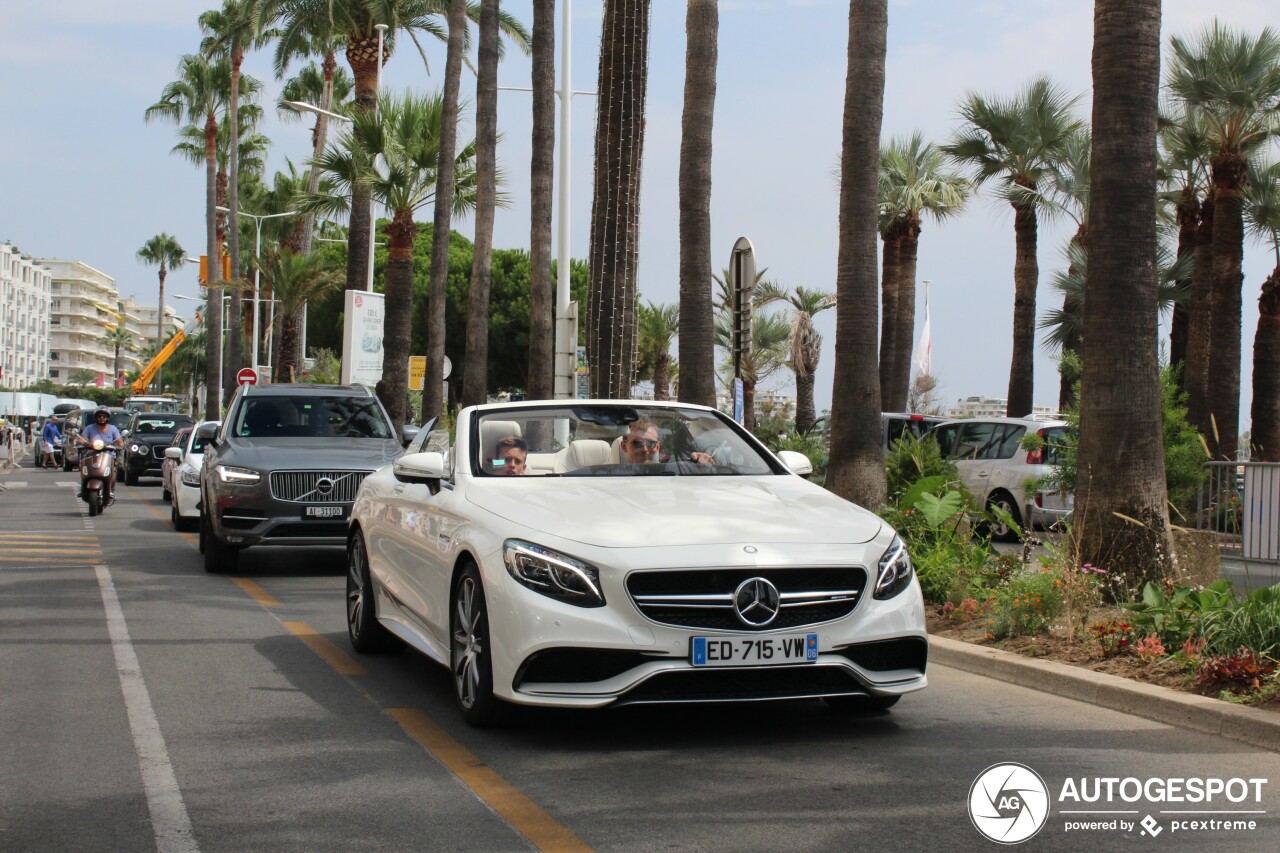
644	443
103	417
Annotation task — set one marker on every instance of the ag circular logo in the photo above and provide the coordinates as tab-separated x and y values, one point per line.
1008	803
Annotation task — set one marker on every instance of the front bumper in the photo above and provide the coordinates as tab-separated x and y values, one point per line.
144	463
186	499
244	516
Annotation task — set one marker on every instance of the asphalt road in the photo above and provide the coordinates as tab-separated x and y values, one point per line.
147	705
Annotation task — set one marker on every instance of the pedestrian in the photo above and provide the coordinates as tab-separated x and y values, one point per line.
50	436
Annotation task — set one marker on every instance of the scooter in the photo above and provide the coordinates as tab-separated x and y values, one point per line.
96	463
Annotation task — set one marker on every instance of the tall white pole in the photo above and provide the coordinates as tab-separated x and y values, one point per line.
257	257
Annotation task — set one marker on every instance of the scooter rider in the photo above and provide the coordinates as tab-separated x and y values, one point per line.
103	428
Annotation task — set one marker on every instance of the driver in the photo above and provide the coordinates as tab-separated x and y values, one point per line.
642	445
103	428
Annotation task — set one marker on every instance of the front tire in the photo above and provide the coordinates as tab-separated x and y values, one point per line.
860	704
130	479
366	633
219	557
1000	531
469	654
92	502
166	495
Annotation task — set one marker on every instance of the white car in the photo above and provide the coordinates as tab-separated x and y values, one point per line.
182	471
992	464
594	581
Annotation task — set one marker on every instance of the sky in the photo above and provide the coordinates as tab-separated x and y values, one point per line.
86	178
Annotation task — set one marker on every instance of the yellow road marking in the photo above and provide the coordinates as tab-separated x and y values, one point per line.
542	830
256	592
344	663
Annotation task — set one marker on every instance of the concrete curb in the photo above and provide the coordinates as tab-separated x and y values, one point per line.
1237	722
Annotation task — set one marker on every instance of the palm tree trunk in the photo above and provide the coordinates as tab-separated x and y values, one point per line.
696	355
615	205
1195	378
1188	212
159	331
1264	435
806	413
235	314
362	56
1071	344
889	272
541	379
476	361
904	316
1123	480
287	369
393	389
319	138
1228	251
432	394
856	470
1026	275
213	308
662	377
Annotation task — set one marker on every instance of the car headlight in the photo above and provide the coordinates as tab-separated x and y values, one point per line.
895	570
190	476
237	476
136	448
553	574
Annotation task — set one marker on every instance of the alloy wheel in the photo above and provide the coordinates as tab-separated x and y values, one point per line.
468	642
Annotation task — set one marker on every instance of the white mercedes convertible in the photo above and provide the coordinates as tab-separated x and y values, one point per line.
587	553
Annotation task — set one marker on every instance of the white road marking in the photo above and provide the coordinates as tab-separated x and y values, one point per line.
169	819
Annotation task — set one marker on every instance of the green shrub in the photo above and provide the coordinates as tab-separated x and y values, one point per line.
910	460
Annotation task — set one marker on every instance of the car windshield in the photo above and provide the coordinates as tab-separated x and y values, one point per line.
311	417
624	439
161	424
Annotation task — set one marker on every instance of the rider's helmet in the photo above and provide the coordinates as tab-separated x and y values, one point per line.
101	412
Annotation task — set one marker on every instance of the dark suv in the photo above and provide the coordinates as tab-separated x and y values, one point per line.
285	465
145	440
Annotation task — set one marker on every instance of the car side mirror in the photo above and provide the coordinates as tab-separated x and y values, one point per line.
427	468
174	453
208	434
796	462
408	433
124	433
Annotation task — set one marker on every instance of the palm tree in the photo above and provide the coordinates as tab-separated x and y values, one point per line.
805	342
1262	217
770	335
913	180
476	359
294	279
198	95
1121	505
856	470
702	24
229	32
403	139
326	86
164	251
658	325
1018	141
540	384
1232	80
118	337
615	202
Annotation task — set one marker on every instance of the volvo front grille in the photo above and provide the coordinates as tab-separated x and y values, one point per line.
316	486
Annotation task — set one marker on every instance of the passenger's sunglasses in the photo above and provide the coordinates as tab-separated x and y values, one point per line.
644	443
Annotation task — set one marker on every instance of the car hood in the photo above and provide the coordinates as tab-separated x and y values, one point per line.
313	454
645	511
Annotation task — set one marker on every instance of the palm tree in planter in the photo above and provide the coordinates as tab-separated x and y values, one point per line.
1262	218
118	337
658	326
394	154
163	251
805	342
294	278
1017	142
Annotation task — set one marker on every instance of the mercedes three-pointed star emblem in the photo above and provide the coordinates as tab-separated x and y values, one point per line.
756	601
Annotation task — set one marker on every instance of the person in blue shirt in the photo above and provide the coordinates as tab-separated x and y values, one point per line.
103	428
49	436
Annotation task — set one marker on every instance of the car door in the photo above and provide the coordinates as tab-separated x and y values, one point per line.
971	455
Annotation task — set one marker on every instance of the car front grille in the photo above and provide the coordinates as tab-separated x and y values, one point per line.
157	452
704	598
727	685
310	486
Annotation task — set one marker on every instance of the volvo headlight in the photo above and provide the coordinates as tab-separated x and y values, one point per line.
895	570
553	574
237	476
190	476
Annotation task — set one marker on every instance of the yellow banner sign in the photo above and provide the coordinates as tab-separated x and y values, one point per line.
417	372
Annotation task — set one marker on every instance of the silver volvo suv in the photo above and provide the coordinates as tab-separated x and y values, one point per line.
285	464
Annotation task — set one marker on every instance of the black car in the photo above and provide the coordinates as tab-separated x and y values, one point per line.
285	465
149	433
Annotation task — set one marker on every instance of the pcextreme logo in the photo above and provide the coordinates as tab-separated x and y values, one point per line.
1010	802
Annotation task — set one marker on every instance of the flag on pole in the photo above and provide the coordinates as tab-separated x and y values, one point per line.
924	352
101	381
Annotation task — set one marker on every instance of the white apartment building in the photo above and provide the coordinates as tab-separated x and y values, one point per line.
993	407
24	318
83	304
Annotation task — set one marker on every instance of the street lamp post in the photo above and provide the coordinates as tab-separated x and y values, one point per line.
257	257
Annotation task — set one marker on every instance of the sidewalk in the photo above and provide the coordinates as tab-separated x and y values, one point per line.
1237	722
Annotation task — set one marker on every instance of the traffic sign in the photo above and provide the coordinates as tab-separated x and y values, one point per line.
247	376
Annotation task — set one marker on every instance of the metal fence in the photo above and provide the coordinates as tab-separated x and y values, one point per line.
1241	503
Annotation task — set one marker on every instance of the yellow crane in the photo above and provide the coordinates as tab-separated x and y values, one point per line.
149	372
